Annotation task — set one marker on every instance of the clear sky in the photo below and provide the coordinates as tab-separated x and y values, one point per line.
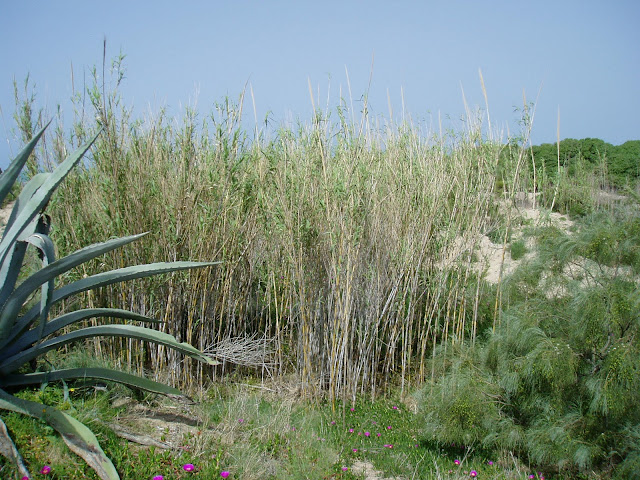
579	56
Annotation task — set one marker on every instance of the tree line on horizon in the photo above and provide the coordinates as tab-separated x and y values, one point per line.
618	164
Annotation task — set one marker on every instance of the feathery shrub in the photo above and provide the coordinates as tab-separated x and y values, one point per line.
558	381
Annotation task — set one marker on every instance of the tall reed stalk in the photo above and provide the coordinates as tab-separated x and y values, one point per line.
347	244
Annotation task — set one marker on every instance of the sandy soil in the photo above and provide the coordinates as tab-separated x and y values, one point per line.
492	254
369	472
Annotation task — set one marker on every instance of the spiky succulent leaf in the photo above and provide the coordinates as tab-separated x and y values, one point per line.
94	373
10	175
45	245
28	191
10	270
101	280
12	363
30	337
12	305
9	450
20	342
40	198
78	438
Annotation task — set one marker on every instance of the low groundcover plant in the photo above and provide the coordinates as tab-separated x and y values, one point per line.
27	333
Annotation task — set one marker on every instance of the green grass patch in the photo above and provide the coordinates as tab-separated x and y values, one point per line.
256	435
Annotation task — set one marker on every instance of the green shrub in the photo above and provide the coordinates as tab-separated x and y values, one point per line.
558	381
518	249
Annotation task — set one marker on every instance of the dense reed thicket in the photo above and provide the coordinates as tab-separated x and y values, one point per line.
346	244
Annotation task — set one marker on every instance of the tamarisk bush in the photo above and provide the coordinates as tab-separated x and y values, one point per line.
558	381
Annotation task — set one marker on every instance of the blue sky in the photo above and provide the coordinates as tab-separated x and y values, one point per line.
582	57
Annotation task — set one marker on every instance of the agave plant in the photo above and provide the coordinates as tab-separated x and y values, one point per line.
26	333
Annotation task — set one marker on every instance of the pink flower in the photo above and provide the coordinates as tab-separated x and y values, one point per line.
353	409
389	427
241	420
46	470
158	477
378	434
456	461
25	478
394	407
333	422
490	463
344	469
473	473
388	445
351	430
367	434
532	475
224	474
355	450
188	467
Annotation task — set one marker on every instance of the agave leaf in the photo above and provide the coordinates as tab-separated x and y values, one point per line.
9	451
31	337
11	364
86	373
40	198
96	281
13	304
10	270
27	192
45	245
77	437
10	175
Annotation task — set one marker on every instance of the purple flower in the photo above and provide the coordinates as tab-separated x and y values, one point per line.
333	422
389	427
344	469
351	430
456	461
394	407
188	467
158	477
473	473
355	450
388	445
241	420
367	434
532	475
378	434
224	474
46	470
490	462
